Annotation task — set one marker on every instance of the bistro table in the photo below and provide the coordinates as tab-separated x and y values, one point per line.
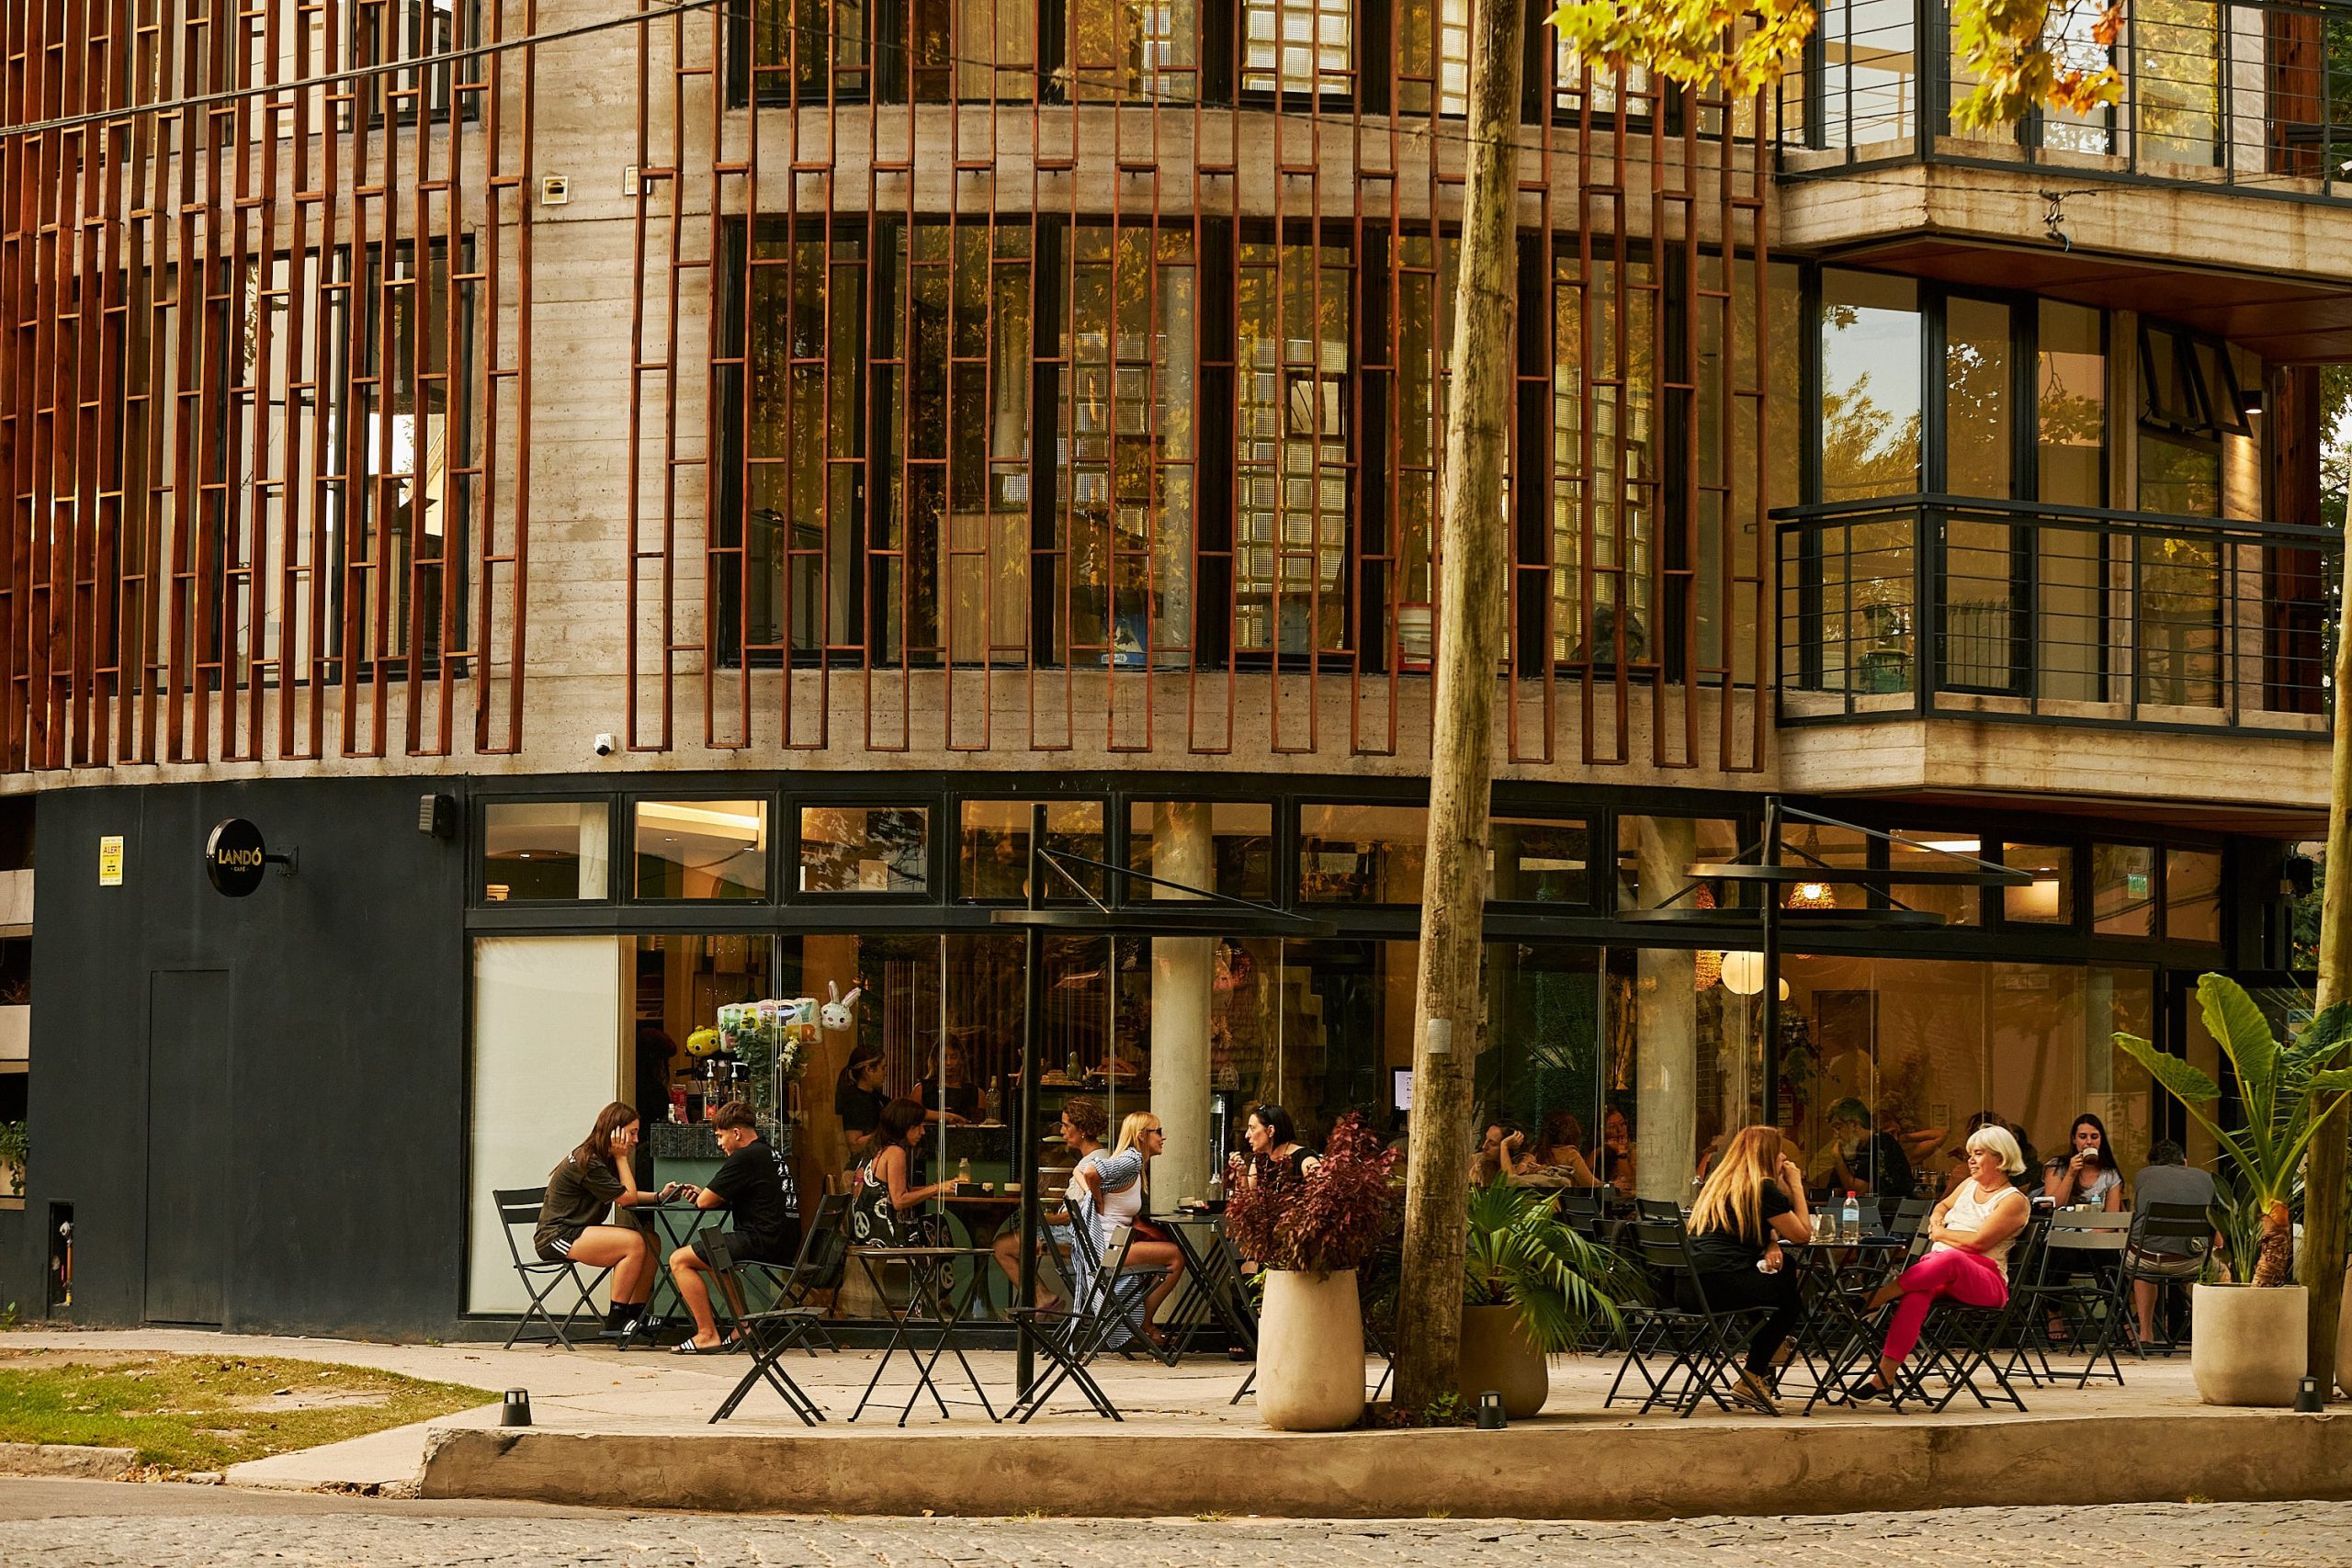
1211	1278
674	1225
1836	1333
932	1297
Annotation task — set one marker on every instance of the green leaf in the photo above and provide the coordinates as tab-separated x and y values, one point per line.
2238	1025
2180	1079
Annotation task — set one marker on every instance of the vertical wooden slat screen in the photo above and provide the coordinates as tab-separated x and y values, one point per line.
1198	256
265	337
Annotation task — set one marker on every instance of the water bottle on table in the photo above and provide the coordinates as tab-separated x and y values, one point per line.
1850	1227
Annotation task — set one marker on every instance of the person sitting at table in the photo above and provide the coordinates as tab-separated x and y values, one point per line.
2086	1173
592	1180
1968	1236
885	1205
957	1100
2028	1183
858	1101
1613	1160
751	1187
1858	1160
1559	1146
1083	1125
1274	1148
1752	1201
1501	1154
1114	1188
2166	1179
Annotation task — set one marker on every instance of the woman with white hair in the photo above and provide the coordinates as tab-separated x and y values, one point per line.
1970	1234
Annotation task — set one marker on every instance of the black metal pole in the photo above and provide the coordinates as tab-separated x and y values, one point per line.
1771	991
1024	1134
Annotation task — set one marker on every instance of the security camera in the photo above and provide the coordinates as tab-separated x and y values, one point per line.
603	745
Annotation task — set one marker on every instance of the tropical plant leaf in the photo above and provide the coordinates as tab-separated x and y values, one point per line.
2180	1079
2238	1025
1520	1252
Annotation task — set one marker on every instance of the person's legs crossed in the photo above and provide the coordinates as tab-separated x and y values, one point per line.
1963	1275
1156	1254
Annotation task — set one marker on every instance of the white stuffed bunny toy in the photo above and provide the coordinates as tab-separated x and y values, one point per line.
839	1011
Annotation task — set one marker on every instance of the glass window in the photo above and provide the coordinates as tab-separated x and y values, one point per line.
1826	849
1978	454
1871	72
1135	50
993	849
1297	47
1606	375
1361	854
2050	900
1930	849
1127	447
2124	890
1433	57
1533	860
2193	895
2070	416
702	849
1293	439
1240	846
2177	49
864	848
812	49
1654	855
1870	388
545	849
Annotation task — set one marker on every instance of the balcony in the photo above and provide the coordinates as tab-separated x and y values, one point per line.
1922	606
2256	98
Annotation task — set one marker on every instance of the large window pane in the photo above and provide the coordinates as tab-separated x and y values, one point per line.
2049	899
1535	860
1870	393
1980	612
1294	445
1127	447
1297	47
702	849
993	848
545	849
1871	88
1978	454
1163	835
2124	890
1602	319
1361	854
1958	906
2070	385
2193	895
2177	49
1133	50
1655	854
864	848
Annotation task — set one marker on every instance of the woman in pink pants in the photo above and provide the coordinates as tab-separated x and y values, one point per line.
1971	1231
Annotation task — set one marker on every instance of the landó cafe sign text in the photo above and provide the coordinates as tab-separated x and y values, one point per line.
235	857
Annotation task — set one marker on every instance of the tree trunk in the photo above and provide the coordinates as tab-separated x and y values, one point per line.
2274	1260
1448	1006
2323	1167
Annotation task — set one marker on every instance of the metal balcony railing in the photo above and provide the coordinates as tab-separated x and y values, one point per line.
1937	605
2252	95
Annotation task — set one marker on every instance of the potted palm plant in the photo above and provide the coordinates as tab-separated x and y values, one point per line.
1310	1237
1531	1286
2249	1343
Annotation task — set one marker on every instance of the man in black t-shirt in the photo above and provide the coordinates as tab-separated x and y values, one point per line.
755	1188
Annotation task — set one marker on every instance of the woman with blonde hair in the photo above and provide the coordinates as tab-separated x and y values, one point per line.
1113	1187
1970	1234
1754	1200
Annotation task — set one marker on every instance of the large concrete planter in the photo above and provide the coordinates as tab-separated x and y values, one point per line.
2343	1340
2248	1346
1310	1352
1496	1355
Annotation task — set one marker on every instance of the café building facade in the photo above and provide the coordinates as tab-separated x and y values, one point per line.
650	520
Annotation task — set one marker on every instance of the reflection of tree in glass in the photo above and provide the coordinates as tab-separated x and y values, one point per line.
1865	451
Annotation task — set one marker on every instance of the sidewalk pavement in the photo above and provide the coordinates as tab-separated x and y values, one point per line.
631	1429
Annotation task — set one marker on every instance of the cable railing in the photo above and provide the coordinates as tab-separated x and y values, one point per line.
1915	605
2257	97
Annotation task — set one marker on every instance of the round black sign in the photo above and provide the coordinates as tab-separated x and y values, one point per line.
235	857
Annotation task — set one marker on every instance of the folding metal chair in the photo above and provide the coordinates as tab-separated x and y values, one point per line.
824	1247
1071	1340
1960	1343
1706	1344
1125	1288
1657	1211
2185	1235
774	1334
518	1209
2091	1310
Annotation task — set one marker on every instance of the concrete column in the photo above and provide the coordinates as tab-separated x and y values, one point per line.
1182	969
1665	1012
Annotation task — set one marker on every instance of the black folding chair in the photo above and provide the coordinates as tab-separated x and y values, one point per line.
825	1248
1125	1291
771	1336
1704	1344
2089	1309
1657	1211
1072	1340
1963	1345
2185	1235
518	1209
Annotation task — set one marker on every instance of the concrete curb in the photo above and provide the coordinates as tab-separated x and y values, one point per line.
65	1460
1546	1471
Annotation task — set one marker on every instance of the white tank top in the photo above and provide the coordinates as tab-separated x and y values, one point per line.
1970	1206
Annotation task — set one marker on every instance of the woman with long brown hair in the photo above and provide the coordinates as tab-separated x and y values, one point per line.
591	1180
1753	1199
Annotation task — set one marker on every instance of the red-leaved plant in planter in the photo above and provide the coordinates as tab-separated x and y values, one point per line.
1332	1221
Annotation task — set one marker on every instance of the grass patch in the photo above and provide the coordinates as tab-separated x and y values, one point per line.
191	1413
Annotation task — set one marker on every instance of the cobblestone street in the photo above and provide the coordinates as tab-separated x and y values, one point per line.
65	1525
